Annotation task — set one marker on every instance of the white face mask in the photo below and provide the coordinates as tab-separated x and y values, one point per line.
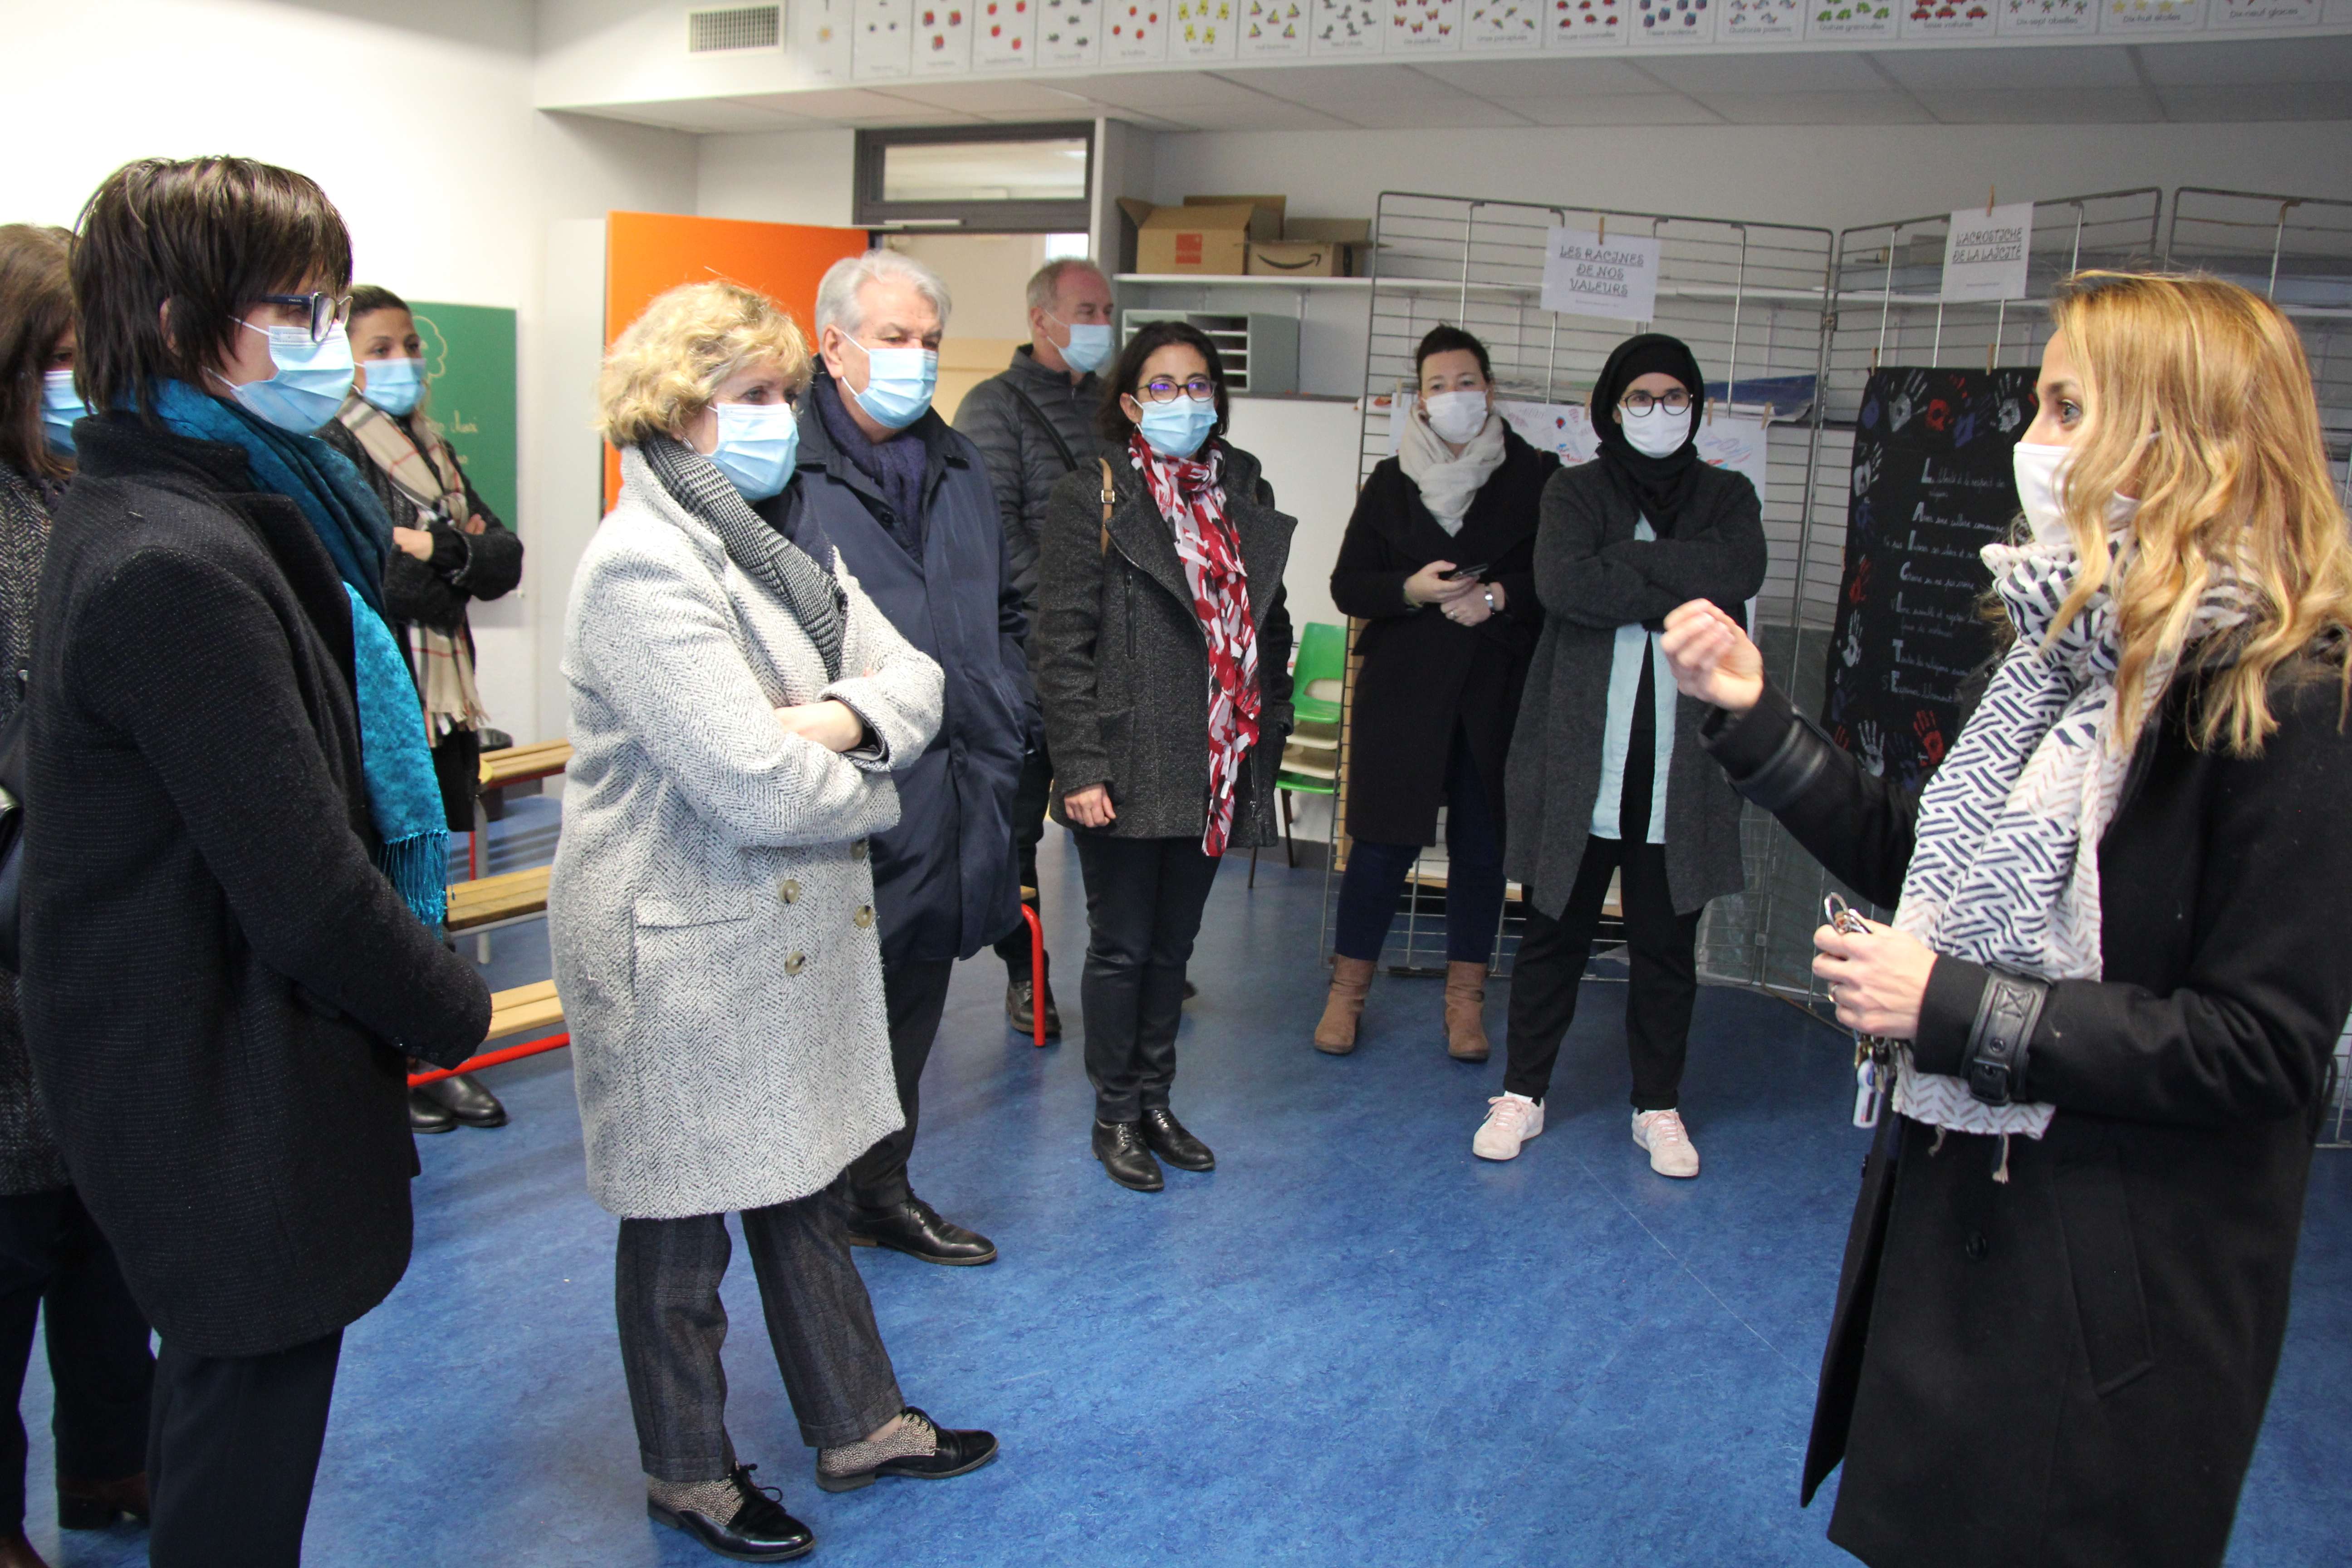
1457	415
1656	433
2041	469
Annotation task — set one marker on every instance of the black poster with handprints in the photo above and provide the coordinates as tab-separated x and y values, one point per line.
1932	486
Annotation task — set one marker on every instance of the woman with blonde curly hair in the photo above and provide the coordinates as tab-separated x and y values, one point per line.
2112	982
737	704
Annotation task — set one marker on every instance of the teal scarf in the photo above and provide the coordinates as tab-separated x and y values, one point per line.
404	798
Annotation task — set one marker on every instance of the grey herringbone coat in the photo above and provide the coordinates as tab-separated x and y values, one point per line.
711	913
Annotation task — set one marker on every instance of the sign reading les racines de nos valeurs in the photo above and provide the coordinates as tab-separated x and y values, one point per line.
1589	272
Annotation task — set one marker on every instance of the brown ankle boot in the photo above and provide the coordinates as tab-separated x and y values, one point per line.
1350	979
1466	1012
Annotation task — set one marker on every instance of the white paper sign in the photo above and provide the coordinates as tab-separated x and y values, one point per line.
1424	26
1589	274
2229	14
1986	252
1345	28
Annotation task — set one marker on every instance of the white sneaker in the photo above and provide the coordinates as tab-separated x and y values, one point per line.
1671	1153
1513	1119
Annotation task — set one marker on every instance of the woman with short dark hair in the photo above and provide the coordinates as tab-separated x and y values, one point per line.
1439	563
1163	664
232	889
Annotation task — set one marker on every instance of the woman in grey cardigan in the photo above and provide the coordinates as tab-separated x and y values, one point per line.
736	705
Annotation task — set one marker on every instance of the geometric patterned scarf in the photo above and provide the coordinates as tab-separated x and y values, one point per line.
1190	496
2005	870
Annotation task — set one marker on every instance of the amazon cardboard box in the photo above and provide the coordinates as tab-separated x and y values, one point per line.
1314	247
1196	236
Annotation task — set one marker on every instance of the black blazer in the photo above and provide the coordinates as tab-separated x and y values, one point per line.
1422	674
219	986
2070	1368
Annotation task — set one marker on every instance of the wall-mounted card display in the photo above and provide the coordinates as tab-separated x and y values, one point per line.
1763	20
1135	32
820	35
2221	16
2045	18
1584	24
1272	29
1424	26
886	40
1345	26
942	37
2153	16
1949	19
1502	27
1669	23
1851	19
1069	32
1004	35
1203	29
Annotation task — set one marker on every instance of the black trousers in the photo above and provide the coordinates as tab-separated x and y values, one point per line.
458	769
1029	802
1546	976
915	996
1144	899
232	1452
665	1277
52	1255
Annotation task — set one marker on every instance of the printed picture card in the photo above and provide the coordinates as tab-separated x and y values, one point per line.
1069	32
1345	28
1424	26
1203	29
885	44
1763	20
1665	23
1004	35
1135	32
821	38
2153	16
1272	29
1851	19
2047	19
2222	15
943	37
1502	27
1949	19
1585	25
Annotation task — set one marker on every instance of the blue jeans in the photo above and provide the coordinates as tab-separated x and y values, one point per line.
1474	874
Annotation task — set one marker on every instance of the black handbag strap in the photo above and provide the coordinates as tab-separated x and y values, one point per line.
1053	433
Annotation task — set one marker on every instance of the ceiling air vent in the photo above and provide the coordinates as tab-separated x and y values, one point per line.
734	28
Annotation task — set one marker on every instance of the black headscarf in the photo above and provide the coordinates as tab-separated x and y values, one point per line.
1661	487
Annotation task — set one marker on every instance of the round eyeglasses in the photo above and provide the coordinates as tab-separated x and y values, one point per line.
1638	404
1161	389
326	312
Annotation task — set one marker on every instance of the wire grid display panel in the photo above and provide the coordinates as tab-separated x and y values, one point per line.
2295	251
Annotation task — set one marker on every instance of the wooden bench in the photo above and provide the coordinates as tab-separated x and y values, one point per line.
522	764
488	902
525	1010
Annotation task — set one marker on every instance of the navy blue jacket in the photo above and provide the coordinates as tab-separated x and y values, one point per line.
945	883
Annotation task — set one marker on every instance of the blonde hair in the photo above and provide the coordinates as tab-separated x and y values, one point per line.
2202	404
668	365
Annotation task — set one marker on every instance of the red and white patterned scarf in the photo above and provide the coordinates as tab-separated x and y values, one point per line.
1192	498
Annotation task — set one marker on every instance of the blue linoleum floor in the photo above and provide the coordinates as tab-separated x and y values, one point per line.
1351	1344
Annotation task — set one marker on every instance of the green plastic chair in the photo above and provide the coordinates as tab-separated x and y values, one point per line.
1322	656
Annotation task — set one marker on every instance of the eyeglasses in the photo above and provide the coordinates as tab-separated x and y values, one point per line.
1638	404
327	312
1160	389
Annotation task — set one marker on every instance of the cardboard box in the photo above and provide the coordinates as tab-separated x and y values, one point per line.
1339	230
1298	259
1272	208
1198	238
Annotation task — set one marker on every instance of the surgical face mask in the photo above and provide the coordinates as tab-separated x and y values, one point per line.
310	383
1656	433
899	385
60	407
2041	469
1089	344
1457	415
394	385
758	443
1176	430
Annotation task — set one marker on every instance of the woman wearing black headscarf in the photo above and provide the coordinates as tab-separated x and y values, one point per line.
1605	773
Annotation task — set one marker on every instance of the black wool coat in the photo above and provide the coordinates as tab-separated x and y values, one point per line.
1422	674
219	987
2069	1368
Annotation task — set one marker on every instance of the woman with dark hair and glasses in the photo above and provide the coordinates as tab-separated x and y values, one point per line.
1439	563
232	897
1162	660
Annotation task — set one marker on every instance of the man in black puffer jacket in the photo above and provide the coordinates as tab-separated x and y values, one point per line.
1032	425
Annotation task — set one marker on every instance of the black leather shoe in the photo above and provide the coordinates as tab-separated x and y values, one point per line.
1190	991
426	1114
1119	1146
1017	1013
914	1227
761	1531
957	1453
1165	1136
95	1505
466	1099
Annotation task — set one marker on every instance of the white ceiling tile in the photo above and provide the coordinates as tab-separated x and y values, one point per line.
992	98
1337	87
1458	113
1541	79
858	106
1156	89
2001	105
1654	109
700	115
2060	68
1814	108
1754	74
2254	62
2221	105
1261	113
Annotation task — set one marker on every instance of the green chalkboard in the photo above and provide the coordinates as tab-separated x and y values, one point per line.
469	353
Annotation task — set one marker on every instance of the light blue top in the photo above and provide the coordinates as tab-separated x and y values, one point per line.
1617	737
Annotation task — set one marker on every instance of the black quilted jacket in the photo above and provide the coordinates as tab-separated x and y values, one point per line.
1024	457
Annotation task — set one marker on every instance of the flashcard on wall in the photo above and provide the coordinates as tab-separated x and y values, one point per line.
2224	14
1666	22
1069	32
821	38
1424	26
1272	29
1005	34
1502	27
1343	27
1203	29
1851	19
1585	25
1775	20
1135	32
2153	16
885	45
2043	18
1949	19
942	37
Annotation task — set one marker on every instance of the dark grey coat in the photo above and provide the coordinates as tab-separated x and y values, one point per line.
1025	460
1592	577
29	1160
1121	665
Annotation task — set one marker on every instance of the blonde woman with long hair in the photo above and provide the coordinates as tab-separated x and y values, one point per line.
2115	975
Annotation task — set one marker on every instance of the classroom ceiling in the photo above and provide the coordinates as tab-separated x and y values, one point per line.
2294	80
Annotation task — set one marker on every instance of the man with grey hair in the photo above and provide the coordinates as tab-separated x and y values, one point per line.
1034	424
906	503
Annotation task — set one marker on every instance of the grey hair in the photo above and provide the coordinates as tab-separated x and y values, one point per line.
1045	283
837	297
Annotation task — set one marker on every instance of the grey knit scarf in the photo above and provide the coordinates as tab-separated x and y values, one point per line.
770	560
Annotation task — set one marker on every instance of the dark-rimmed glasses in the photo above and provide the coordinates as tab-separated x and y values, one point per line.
1160	389
1640	403
327	312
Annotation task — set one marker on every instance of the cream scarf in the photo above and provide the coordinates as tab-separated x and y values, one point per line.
1448	483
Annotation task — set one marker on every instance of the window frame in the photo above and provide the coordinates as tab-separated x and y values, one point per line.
871	211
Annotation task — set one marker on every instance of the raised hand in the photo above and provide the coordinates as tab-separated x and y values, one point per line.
1712	657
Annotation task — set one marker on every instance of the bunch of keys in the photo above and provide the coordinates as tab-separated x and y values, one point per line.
1872	1055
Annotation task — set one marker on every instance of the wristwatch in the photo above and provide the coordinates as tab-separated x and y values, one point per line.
1490	599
